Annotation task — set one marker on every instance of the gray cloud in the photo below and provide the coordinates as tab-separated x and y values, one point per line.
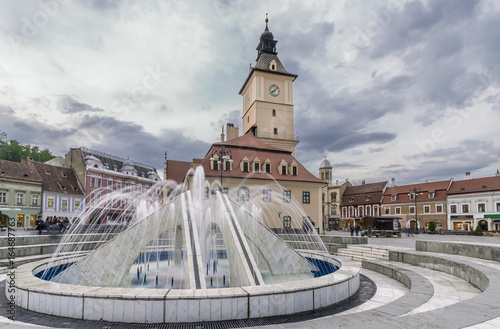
69	105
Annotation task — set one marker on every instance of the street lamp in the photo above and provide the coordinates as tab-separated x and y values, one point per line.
223	155
415	191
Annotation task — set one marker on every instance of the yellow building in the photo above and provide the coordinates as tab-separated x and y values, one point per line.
260	167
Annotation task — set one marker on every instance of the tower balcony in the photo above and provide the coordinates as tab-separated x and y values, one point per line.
280	136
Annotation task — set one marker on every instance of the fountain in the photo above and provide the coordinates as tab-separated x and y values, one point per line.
197	257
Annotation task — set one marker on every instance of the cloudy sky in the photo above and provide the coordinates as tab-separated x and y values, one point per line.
389	88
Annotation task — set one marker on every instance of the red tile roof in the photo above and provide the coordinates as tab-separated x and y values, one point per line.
484	184
363	194
19	171
177	170
402	192
247	146
58	179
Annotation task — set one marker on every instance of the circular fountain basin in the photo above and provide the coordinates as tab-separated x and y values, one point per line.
146	305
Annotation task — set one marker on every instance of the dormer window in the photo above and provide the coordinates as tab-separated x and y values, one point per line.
367	198
256	165
351	199
267	166
244	165
63	174
273	65
294	168
431	195
393	197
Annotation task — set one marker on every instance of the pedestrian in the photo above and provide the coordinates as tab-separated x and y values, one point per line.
356	230
352	229
39	224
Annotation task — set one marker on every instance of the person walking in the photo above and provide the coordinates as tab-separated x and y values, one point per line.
39	225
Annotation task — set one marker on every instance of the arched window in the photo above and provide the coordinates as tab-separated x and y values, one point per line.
243	193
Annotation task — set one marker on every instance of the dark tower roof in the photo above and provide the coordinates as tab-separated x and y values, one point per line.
267	56
267	44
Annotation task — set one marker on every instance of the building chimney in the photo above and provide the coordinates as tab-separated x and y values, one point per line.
363	182
222	135
393	181
467	175
23	159
232	131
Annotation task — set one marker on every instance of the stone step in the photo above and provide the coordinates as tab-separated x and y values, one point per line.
366	251
361	255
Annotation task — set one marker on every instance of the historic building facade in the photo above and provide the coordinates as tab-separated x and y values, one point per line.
417	204
62	194
359	201
474	202
331	196
20	192
100	173
260	167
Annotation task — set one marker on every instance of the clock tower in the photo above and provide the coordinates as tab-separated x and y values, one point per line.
268	97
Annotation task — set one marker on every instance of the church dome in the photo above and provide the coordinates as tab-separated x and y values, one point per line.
325	164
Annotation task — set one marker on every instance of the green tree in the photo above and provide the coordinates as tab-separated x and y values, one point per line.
12	150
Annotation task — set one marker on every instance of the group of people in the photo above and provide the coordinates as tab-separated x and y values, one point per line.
52	223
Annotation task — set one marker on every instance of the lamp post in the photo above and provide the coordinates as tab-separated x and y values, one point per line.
223	155
415	191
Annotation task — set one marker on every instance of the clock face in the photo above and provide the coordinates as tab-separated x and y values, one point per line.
274	90
249	97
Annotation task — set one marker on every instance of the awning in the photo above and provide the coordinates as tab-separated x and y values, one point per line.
492	216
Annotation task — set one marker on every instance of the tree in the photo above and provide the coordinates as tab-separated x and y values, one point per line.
12	150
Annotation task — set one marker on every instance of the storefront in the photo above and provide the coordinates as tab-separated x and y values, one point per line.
462	223
494	221
24	218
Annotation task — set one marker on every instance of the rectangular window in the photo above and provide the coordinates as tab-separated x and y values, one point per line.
287	222
216	165
283	170
439	208
266	195
110	184
276	131
287	196
375	211
481	207
465	208
118	186
256	167
20	198
412	210
387	211
498	207
360	211
368	211
398	210
50	203
294	171
306	197
99	182
228	166
64	204
92	182
427	209
3	197
245	166
268	168
34	200
453	209
274	112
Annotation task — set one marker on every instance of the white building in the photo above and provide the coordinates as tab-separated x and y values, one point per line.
473	202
